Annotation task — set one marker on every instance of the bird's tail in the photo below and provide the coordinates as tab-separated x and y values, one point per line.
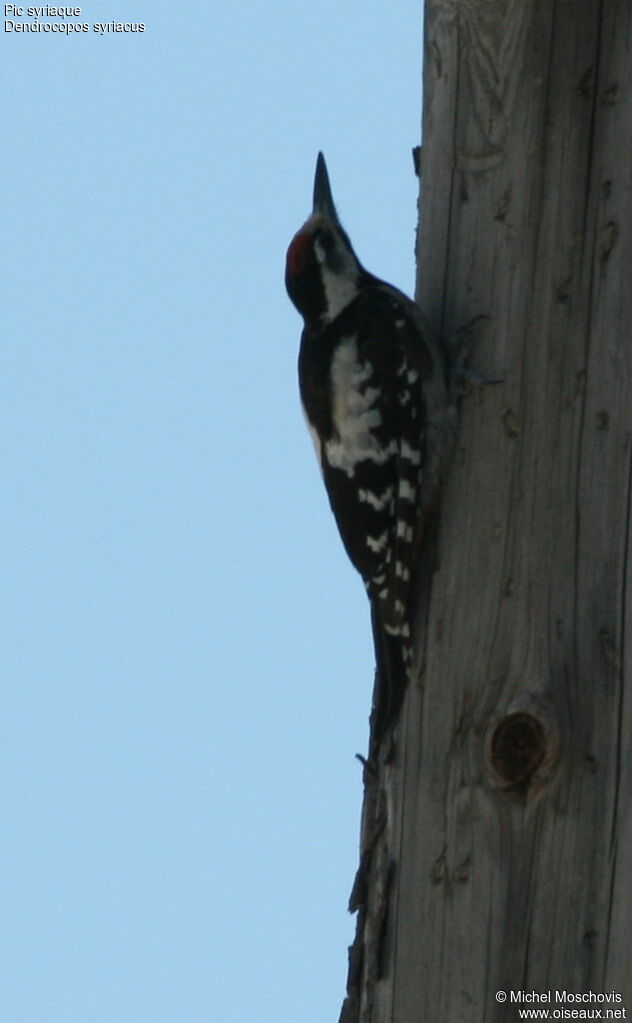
393	659
392	636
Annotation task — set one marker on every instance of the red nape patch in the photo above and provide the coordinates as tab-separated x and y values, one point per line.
296	259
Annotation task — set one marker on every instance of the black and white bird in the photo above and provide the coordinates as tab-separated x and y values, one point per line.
374	395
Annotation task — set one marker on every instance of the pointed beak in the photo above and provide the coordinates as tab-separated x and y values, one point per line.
323	201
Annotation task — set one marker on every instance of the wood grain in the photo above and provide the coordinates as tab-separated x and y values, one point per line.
526	218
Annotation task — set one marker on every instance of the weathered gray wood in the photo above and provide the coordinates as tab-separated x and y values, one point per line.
487	871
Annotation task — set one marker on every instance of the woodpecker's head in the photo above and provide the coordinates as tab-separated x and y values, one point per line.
322	272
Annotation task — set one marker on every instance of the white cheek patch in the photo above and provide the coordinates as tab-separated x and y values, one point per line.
339	291
340	287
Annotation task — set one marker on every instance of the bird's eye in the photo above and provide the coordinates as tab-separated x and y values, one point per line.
326	239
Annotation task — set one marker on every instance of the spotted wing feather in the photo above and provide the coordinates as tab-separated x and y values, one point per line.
368	409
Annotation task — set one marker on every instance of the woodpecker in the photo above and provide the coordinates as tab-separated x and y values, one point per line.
374	394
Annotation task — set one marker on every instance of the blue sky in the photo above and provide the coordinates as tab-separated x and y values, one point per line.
186	659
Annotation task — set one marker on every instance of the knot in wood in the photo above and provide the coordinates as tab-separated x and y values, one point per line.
517	748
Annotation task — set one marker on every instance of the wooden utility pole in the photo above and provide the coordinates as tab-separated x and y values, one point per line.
497	835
